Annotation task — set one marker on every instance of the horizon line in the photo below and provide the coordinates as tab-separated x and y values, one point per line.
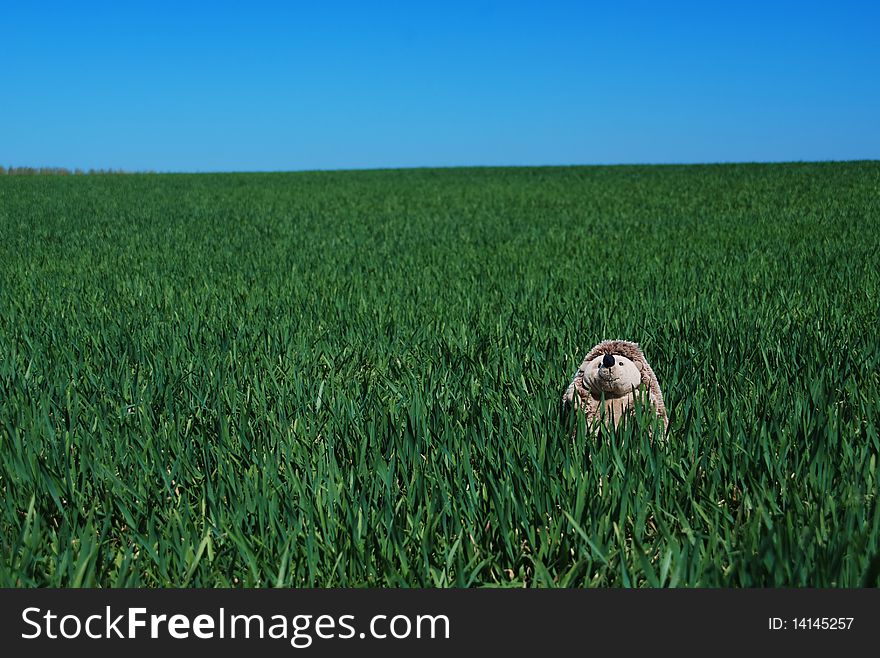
43	170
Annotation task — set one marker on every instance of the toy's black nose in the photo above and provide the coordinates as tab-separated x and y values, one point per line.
608	360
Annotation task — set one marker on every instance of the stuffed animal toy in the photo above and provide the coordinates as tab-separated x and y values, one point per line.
608	382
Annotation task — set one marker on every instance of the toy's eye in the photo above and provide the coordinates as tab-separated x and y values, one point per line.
620	363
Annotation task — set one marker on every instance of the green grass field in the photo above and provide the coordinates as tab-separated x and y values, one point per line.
353	378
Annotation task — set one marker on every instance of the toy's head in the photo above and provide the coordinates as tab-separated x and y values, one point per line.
614	370
611	375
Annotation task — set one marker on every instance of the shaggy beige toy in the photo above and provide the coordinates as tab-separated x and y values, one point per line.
607	383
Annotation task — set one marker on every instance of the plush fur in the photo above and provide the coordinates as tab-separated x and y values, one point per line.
605	387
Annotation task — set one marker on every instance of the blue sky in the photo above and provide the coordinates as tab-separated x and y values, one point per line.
335	85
